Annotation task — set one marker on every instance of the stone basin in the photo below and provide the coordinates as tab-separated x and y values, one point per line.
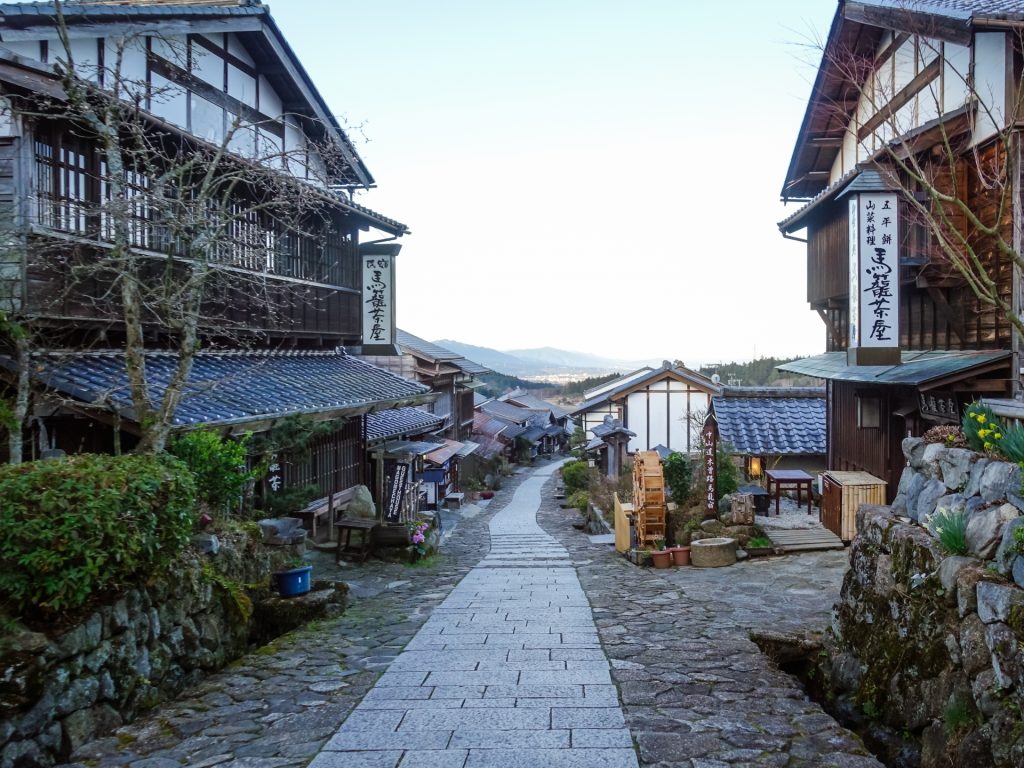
713	553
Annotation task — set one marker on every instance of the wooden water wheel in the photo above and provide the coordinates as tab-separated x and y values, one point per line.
648	497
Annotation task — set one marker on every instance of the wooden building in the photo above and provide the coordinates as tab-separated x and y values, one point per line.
664	406
284	295
905	89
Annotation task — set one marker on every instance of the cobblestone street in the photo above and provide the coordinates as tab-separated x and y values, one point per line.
501	653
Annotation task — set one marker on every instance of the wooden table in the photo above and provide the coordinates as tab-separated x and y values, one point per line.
789	478
361	550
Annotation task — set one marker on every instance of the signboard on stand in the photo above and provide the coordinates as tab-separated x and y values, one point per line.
378	298
709	468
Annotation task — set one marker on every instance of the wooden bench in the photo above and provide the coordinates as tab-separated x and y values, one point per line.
360	550
454	500
323	510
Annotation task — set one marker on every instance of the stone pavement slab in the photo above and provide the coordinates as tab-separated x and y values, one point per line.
486	658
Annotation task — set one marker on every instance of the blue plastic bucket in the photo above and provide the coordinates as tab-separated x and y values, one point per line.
293	582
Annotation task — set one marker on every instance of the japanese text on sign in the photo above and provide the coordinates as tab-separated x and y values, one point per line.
710	469
378	300
878	271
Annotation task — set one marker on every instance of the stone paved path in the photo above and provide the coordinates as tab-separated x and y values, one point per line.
695	691
507	672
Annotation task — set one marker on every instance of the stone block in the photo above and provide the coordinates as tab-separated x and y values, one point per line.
999	479
933	490
966	590
974	652
1006	552
206	543
913	450
933	456
999	602
950	568
1018	571
977	473
914	488
1006	656
955	466
985	529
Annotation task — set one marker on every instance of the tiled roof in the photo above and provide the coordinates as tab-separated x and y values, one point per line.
611	426
532	401
437	353
235	387
774	426
507	411
957	9
384	425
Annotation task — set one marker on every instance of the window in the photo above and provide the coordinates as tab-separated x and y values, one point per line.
869	412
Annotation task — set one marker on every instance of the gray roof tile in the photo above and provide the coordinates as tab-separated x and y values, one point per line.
235	387
384	425
776	426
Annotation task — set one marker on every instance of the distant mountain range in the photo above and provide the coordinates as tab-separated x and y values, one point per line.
542	361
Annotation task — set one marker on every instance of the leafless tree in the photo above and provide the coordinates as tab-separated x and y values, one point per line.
181	224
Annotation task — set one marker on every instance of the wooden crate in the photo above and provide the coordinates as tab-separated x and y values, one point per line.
842	493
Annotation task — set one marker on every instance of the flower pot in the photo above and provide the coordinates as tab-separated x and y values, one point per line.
680	555
293	582
662	558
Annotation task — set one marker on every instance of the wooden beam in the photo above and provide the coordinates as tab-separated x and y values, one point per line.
901	99
837	338
946	311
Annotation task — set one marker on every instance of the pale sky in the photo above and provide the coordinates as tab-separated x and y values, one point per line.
597	176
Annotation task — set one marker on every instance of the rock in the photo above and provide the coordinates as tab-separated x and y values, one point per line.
1000	478
999	602
977	473
987	698
84	637
932	491
362	505
934	455
1006	660
742	533
956	465
950	568
933	745
82	693
78	728
913	450
974	652
966	590
22	670
206	543
712	527
281	531
1006	553
1018	571
914	488
985	529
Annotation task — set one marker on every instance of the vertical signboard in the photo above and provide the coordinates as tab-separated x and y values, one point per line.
874	279
378	315
710	469
393	511
879	296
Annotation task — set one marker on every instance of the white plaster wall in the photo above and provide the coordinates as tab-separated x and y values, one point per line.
170	101
636	420
990	80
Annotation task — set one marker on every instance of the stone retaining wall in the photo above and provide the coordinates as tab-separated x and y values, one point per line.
61	688
925	653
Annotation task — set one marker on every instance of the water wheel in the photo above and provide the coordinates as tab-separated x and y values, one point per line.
648	497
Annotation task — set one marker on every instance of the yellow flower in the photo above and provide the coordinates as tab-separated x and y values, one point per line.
988	446
981	418
983	433
997	436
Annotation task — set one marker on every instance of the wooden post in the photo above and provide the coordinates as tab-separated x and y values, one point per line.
710	468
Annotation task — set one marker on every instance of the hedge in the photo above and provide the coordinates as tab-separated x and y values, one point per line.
76	526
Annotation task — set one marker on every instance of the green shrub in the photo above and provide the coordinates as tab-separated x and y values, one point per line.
579	500
218	465
678	476
951	529
1010	443
288	500
727	477
576	476
980	427
72	527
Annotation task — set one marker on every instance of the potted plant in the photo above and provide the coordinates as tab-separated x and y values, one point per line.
680	555
662	557
759	546
294	579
